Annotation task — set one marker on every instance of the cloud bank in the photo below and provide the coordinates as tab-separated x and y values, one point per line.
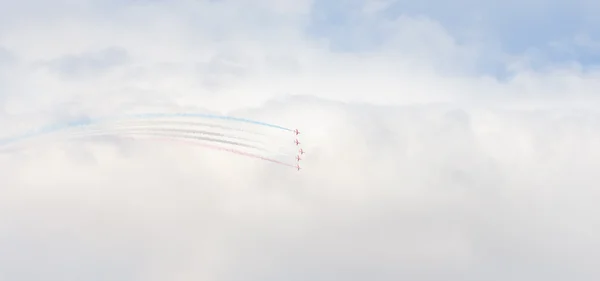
438	147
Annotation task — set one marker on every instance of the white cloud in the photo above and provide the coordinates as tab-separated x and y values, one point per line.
416	167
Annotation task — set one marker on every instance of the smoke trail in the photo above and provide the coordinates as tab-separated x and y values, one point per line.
258	145
189	123
191	140
89	122
149	125
230	150
235	133
151	133
210	116
151	129
163	123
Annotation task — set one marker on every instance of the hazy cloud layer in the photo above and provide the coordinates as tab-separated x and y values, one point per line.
422	163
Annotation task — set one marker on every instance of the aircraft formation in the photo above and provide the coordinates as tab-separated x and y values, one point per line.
191	128
299	151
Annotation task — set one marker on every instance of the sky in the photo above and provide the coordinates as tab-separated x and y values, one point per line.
445	141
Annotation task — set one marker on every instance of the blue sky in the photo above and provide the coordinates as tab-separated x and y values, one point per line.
514	27
471	39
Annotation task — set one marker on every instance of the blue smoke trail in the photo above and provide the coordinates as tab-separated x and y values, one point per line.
87	122
211	116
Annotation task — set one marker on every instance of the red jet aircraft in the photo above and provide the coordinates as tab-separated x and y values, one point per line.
296	142
298	167
297	132
301	151
298	158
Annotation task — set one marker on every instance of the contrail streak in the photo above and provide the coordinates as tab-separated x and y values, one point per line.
91	122
230	150
157	126
210	116
163	123
150	133
142	129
